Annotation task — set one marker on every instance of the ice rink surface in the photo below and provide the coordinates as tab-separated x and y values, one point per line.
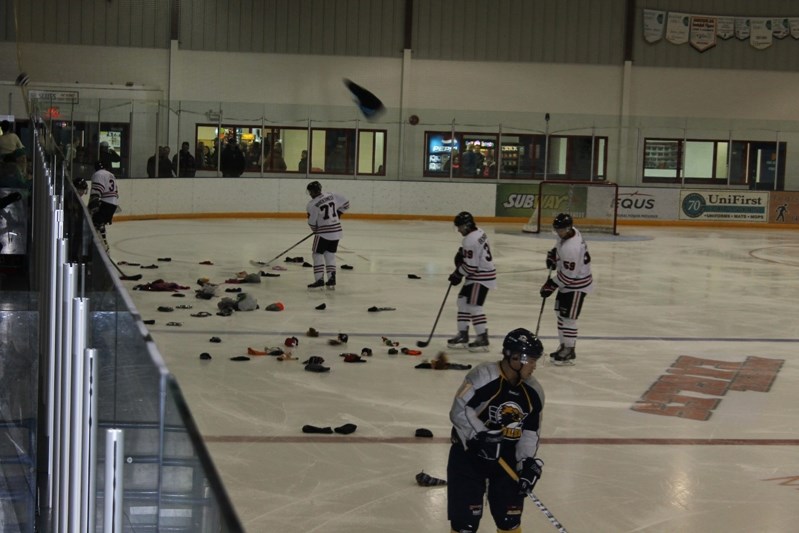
681	413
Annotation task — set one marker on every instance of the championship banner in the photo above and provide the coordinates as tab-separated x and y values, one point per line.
794	25
725	27
677	28
703	33
724	206
653	25
761	36
742	28
780	28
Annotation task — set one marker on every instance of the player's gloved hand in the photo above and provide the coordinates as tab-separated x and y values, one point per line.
458	260
486	444
548	288
10	199
552	259
529	474
455	278
94	204
339	213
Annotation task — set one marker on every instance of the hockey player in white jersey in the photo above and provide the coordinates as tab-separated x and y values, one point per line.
324	217
103	199
474	263
573	280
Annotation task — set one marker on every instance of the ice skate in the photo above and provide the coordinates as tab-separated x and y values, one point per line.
565	357
480	343
318	284
331	281
461	340
556	352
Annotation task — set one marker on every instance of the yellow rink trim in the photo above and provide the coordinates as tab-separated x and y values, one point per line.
447	218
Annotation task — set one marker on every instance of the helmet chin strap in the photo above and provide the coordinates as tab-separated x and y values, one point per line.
517	372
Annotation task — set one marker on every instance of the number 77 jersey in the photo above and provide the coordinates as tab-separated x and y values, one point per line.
323	215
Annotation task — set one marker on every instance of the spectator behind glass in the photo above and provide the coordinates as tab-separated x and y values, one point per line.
184	162
164	165
8	140
14	170
302	166
108	156
275	160
199	155
232	161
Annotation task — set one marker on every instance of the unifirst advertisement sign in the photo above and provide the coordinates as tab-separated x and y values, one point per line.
724	206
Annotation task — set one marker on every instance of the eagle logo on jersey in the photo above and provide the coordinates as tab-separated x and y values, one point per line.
510	416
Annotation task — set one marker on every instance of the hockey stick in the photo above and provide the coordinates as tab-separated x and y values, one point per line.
262	263
122	275
538	503
422	344
543	302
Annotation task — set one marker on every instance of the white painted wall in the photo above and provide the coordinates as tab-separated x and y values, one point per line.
141	197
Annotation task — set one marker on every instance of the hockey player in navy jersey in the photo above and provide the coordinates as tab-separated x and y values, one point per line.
474	263
573	281
496	417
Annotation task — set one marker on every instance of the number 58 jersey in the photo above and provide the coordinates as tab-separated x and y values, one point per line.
478	263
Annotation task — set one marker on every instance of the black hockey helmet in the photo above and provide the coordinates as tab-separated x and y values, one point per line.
563	221
464	218
314	188
524	343
98	165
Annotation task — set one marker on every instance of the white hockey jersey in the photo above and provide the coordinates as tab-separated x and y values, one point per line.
323	215
104	185
478	263
574	264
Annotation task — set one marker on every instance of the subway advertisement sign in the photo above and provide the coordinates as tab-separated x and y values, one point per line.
519	199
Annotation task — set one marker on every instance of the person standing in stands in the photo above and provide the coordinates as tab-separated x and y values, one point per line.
165	169
184	163
232	161
9	141
302	166
108	156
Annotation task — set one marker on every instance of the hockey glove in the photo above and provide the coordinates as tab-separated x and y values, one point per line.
486	444
548	288
94	204
552	259
10	199
529	474
459	258
455	278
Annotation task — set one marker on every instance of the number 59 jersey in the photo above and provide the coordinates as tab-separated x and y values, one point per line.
574	264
